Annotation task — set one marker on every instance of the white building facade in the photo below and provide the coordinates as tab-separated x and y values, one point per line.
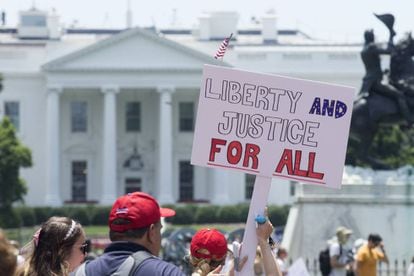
108	114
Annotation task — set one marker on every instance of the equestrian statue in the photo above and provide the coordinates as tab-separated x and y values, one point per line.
385	98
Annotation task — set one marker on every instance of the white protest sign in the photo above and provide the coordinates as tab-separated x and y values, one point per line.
272	126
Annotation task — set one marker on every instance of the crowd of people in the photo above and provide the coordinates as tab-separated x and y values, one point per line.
359	260
60	247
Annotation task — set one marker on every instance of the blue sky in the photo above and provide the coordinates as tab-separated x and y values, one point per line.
334	20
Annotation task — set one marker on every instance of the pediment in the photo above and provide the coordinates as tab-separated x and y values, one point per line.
134	49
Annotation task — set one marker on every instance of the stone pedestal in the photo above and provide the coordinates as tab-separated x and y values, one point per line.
369	201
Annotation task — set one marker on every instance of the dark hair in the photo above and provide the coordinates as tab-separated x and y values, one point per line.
56	239
369	36
374	238
281	251
129	234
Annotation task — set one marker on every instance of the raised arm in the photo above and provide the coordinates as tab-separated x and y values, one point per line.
263	232
382	250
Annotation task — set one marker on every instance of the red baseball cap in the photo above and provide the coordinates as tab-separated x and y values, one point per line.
211	240
140	209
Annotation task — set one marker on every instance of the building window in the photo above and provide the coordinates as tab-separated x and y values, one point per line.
342	56
79	181
249	185
297	56
252	56
133	185
33	20
133	116
79	116
12	110
186	121
186	181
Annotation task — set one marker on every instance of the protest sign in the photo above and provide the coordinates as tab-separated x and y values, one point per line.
272	126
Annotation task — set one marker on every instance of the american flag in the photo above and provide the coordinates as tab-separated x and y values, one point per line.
223	47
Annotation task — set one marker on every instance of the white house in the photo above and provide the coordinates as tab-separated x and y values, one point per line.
106	112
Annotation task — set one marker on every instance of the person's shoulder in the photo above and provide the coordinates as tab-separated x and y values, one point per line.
371	48
334	249
334	245
379	253
372	45
157	267
363	250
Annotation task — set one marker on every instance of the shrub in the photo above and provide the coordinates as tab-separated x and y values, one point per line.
278	214
42	214
100	215
64	211
9	218
243	211
206	214
27	215
184	215
81	214
228	214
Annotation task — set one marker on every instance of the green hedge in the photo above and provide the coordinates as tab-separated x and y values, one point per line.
228	214
27	215
98	215
278	214
9	218
206	214
183	214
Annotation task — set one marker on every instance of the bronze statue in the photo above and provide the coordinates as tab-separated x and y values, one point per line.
379	102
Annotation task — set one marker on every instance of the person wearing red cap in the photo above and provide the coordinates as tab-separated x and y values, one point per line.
208	251
135	230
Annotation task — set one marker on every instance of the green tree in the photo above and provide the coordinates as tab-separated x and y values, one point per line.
392	145
13	156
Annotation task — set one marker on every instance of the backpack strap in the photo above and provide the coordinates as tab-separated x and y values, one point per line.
132	263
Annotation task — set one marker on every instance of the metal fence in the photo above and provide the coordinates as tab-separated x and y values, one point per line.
394	268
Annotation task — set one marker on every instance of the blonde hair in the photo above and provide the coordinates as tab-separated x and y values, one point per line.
8	258
202	266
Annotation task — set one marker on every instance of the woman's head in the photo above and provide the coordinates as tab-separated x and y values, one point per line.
208	249
58	247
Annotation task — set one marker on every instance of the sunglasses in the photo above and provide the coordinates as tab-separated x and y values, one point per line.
84	248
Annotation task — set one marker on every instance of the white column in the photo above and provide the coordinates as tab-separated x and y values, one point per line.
165	160
109	158
52	197
221	187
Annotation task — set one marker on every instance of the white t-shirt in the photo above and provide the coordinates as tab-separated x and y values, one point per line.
410	270
334	250
282	266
